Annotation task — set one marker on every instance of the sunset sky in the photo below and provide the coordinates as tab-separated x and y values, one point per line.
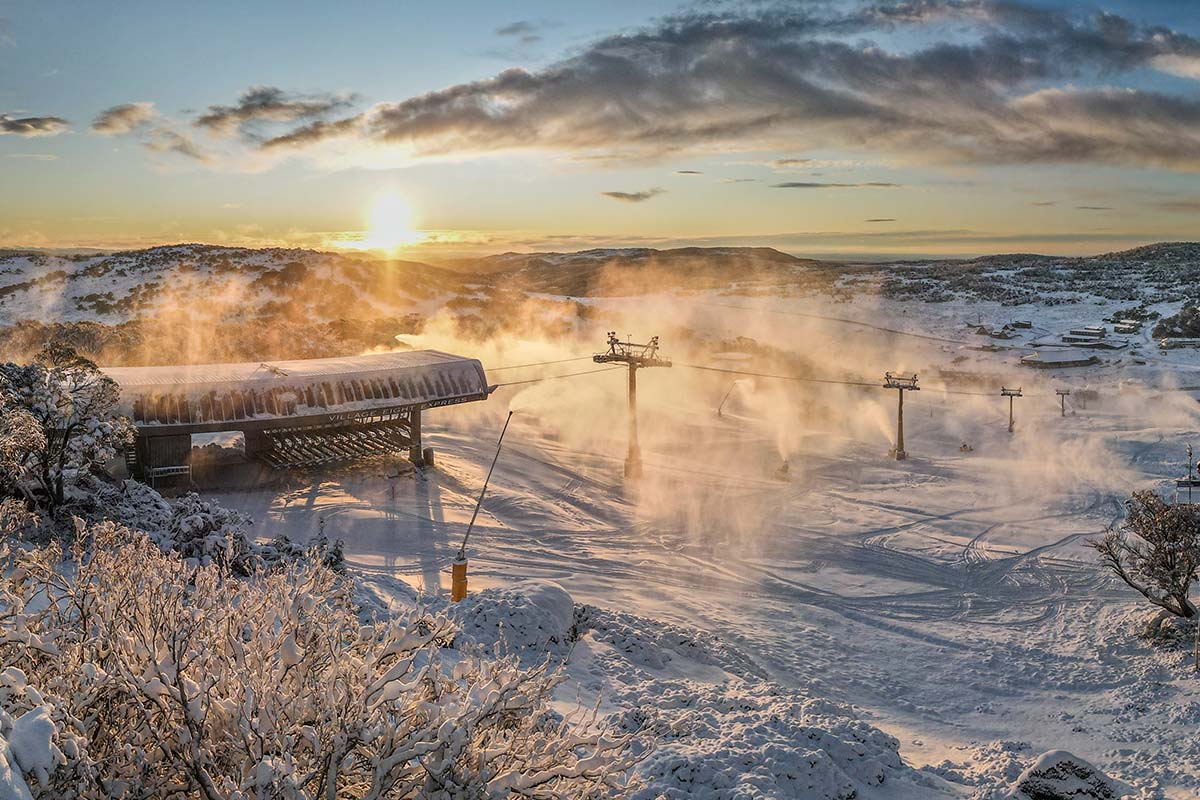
444	129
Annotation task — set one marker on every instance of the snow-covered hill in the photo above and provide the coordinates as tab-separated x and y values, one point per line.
226	282
216	282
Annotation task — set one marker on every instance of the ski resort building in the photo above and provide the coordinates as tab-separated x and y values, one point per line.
292	413
1061	360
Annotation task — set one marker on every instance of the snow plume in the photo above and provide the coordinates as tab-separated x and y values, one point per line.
718	478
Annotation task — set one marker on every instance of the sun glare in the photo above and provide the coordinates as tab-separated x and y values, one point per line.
390	227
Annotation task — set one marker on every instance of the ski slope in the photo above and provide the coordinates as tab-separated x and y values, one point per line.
949	599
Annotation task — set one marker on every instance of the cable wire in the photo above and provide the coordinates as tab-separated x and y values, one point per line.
538	363
552	377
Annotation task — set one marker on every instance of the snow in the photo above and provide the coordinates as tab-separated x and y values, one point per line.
27	748
948	599
530	619
888	630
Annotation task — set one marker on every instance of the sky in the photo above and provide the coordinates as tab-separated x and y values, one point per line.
443	130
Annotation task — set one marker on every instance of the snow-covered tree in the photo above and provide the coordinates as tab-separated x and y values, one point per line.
1156	551
164	678
71	403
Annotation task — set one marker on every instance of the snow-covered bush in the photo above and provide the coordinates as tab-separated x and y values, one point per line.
70	404
197	528
165	677
1156	551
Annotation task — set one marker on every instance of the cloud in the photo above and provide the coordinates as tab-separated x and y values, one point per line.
810	185
634	197
167	140
268	104
1044	203
1185	66
1189	206
881	219
807	76
314	132
1093	208
32	126
34	156
739	180
523	30
123	118
688	172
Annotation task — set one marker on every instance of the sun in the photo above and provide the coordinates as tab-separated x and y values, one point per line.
389	227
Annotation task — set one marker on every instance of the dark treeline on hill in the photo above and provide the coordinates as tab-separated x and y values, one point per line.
148	342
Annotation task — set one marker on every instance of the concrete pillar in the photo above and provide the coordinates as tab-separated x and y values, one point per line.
256	442
414	445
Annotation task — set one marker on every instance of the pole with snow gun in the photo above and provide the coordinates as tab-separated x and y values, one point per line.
1011	394
635	356
901	383
458	570
721	407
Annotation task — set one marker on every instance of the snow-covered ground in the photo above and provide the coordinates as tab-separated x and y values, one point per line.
949	599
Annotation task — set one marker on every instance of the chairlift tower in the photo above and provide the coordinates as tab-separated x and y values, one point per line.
1011	394
901	383
635	356
1062	396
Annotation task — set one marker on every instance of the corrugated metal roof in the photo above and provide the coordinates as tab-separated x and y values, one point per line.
264	373
209	394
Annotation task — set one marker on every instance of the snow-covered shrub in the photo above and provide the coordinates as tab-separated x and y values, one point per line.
1059	775
164	677
530	619
738	739
208	532
71	405
195	527
1156	551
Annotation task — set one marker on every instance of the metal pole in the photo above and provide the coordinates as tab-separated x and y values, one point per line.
1010	413
900	454
633	461
462	551
1063	398
726	397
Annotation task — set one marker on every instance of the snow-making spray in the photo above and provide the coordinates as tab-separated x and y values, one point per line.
458	570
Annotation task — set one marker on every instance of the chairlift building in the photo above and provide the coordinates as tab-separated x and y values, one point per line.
292	413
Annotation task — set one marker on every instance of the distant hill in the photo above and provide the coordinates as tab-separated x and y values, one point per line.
231	283
641	269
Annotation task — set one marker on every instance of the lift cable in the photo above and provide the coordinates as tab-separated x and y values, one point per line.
540	363
736	372
780	377
552	377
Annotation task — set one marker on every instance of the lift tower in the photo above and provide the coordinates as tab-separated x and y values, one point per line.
901	383
1062	396
635	356
1011	394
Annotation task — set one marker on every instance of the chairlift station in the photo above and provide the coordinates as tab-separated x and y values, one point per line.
292	413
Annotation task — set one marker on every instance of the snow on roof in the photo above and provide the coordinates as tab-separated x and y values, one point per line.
256	373
209	393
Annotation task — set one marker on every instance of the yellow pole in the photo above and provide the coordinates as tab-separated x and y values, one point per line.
458	580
